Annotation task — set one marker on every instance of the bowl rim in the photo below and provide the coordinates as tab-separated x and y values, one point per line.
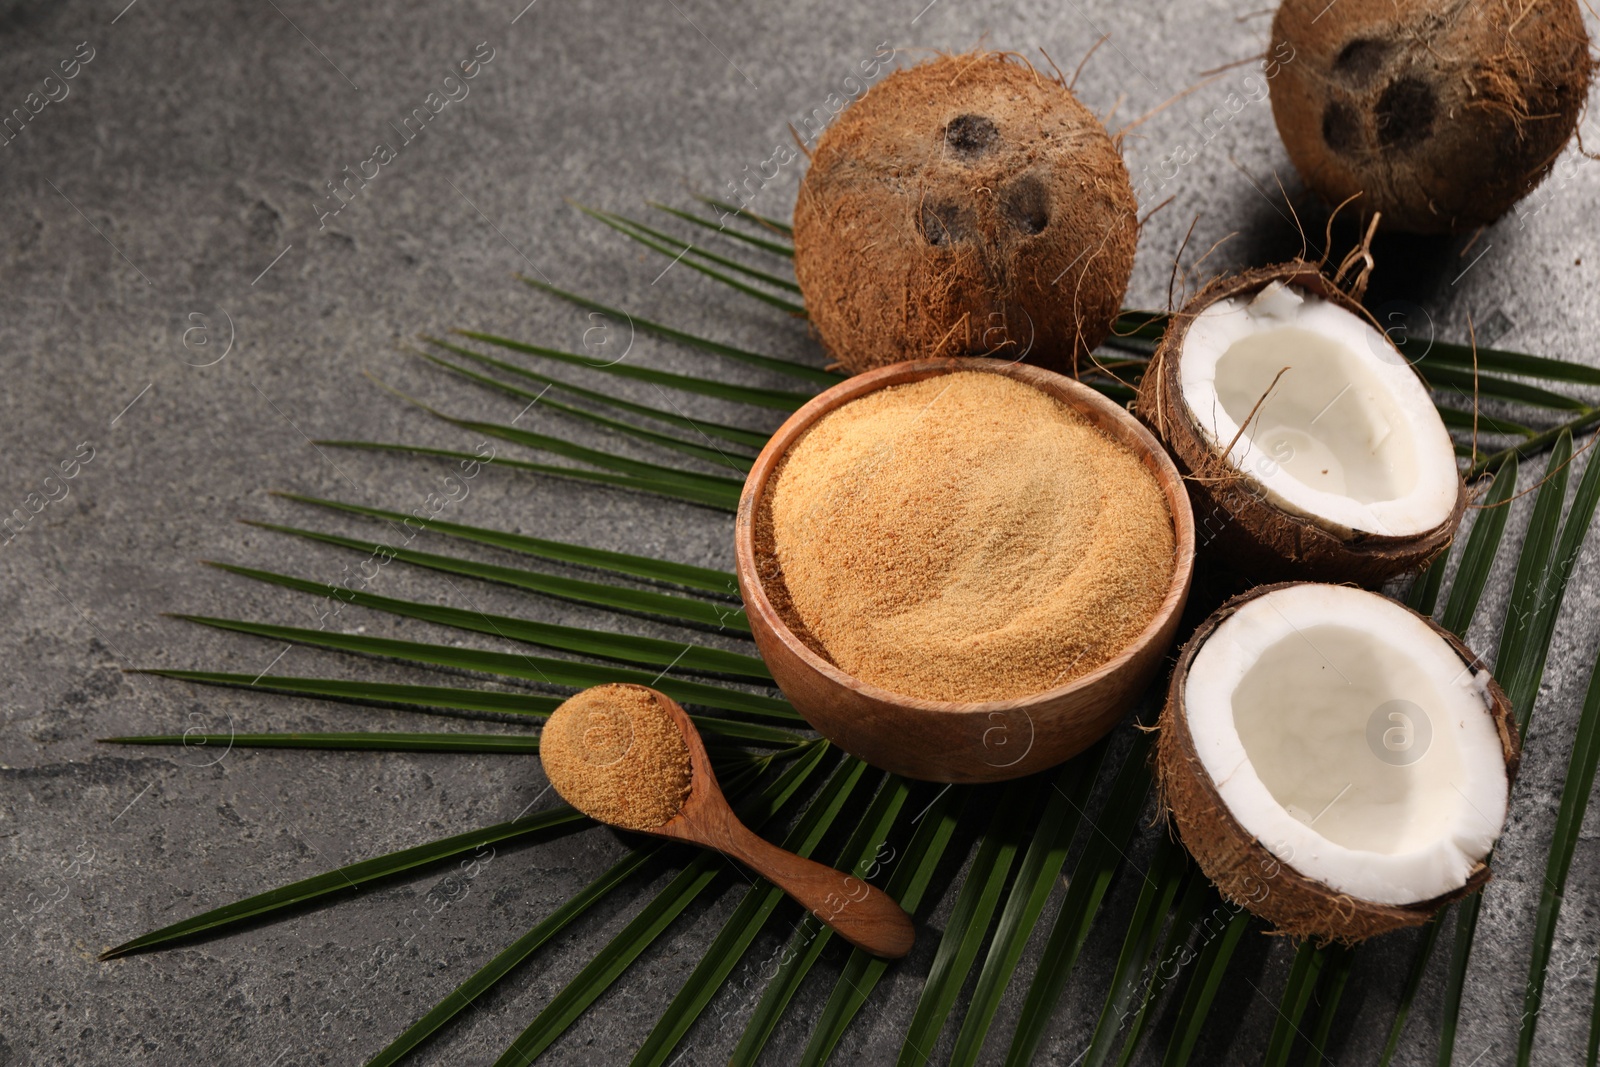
1106	414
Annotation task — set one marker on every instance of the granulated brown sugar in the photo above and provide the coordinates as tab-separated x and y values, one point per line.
966	537
615	754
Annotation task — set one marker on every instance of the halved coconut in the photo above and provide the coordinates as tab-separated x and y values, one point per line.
1335	762
1311	447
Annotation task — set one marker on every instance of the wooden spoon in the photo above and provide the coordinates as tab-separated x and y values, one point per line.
861	914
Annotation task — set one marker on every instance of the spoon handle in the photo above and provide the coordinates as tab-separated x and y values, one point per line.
863	915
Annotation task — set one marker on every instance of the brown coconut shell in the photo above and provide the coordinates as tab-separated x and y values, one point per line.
1236	521
1239	864
966	206
1441	114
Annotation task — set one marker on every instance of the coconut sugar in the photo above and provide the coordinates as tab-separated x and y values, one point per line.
966	537
615	754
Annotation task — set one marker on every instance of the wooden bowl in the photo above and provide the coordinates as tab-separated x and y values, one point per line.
947	740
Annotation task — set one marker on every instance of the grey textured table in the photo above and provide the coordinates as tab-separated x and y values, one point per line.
179	185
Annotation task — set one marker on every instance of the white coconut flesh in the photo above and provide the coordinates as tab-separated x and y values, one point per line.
1351	740
1348	435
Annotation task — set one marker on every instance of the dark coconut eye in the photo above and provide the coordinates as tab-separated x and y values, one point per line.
1405	112
1026	205
1341	128
1361	60
945	224
970	136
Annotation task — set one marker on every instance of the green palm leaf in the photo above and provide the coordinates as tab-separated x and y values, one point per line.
1131	322
1456	419
687	254
1303	975
777	249
1041	865
712	453
1483	544
1537	443
709	614
1204	982
430	699
1581	765
912	875
1318	975
1514	664
782	366
1494	359
346	742
558	820
665	243
860	856
1168	871
599	643
1136	345
1413	982
639	859
557	672
1123	394
610	962
752	913
1195	896
969	921
416	697
648	651
558	446
734	211
1468	384
1536	595
748	438
1336	975
1423	596
716	498
642	858
777	399
1569	820
646	567
1091	879
1525	641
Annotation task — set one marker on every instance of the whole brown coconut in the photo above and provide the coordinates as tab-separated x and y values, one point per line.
1237	521
1441	114
1240	866
967	206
